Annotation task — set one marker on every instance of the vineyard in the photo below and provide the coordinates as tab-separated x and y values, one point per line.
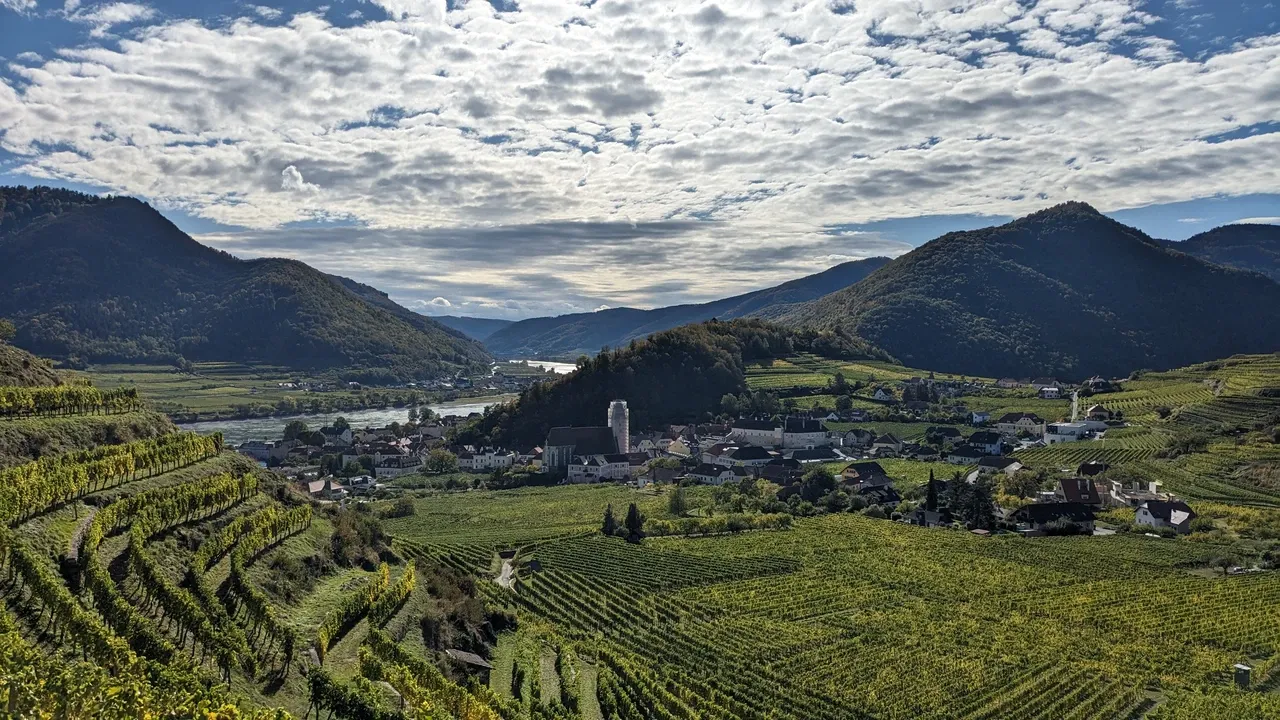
774	624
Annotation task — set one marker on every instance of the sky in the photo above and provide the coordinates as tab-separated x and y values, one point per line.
519	158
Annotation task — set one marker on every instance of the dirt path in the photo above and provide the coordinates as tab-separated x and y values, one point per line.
73	547
508	577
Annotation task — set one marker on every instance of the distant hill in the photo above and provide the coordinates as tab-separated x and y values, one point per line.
1065	292
114	280
1247	247
568	336
676	375
473	327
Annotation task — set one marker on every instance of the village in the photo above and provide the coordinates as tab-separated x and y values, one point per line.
338	462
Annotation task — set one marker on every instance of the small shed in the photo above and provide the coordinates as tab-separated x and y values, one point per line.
1242	675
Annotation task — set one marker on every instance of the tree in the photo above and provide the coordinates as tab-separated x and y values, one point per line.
341	424
634	524
353	469
979	511
1023	483
838	384
403	507
729	405
7	330
366	462
441	461
931	496
677	503
413	414
294	429
844	403
957	494
610	525
1225	562
816	483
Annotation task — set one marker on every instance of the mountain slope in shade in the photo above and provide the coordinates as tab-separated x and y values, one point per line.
1247	247
572	335
1065	292
473	327
115	280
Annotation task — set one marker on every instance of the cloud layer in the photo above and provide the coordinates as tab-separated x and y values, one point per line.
751	125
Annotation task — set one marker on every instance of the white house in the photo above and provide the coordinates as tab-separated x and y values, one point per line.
887	444
990	443
803	433
1166	513
1052	392
584	470
756	432
746	456
718	474
1016	423
1056	433
964	455
395	466
858	438
883	395
980	417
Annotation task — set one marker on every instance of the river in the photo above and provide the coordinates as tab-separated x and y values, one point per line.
235	432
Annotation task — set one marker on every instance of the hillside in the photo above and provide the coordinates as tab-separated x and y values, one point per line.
1247	247
1064	292
676	375
568	336
22	369
115	281
473	327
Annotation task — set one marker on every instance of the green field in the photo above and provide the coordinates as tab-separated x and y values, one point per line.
226	390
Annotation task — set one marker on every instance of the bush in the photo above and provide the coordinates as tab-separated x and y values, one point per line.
875	511
358	540
403	507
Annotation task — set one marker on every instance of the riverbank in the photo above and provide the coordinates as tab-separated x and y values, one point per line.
239	430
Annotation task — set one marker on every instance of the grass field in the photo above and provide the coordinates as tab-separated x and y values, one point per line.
224	390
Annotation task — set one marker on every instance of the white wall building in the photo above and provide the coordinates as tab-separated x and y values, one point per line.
620	424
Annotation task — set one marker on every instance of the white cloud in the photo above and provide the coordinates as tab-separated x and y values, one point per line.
21	6
630	113
417	9
70	6
602	307
103	17
291	179
265	12
1191	220
439	302
29	57
1257	221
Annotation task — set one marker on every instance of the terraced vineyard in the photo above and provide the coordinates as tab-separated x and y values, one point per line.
775	624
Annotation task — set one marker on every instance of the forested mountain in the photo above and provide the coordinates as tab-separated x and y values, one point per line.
572	335
675	375
473	327
1065	292
1248	247
115	280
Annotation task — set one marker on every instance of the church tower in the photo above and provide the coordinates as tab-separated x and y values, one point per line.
620	423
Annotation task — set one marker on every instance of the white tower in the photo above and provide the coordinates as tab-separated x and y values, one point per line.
620	423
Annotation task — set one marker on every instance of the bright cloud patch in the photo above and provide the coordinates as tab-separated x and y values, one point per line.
774	121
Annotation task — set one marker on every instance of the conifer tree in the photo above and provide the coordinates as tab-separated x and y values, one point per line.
610	526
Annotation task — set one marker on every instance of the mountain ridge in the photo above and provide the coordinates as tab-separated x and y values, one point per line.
1244	246
1064	291
578	333
114	280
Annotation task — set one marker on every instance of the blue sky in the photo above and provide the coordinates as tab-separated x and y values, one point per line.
510	159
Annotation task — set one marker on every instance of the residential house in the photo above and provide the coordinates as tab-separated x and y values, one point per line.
980	417
880	495
712	454
255	449
1057	433
1079	490
946	432
887	445
1044	382
747	456
586	469
989	442
1100	413
993	464
362	485
1016	423
803	433
718	474
326	489
1166	514
815	455
756	432
964	455
781	471
1037	516
858	438
1090	468
1053	392
397	465
928	518
1097	384
339	438
615	466
679	448
865	474
883	395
